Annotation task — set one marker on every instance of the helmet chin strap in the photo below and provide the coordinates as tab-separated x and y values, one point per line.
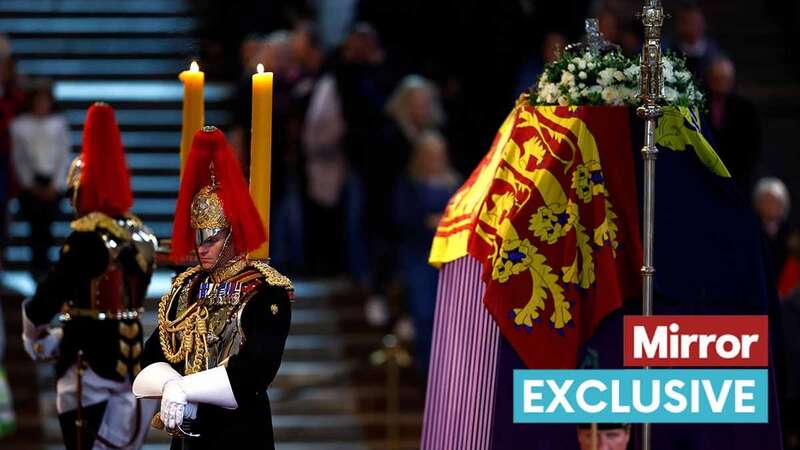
221	258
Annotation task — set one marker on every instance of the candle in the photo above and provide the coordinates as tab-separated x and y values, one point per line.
261	151
193	108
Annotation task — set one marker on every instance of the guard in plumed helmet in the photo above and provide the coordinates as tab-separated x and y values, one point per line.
222	327
97	289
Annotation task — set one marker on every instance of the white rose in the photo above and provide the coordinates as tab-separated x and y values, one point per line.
632	72
548	92
611	96
571	67
628	95
582	75
581	64
668	65
573	91
619	76
669	71
670	94
567	79
563	101
590	64
605	77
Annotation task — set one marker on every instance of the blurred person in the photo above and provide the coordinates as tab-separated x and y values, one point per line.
789	292
364	80
412	109
691	40
12	102
274	53
327	211
772	204
346	116
213	387
553	44
291	93
735	124
420	198
306	49
610	436
249	48
41	153
99	286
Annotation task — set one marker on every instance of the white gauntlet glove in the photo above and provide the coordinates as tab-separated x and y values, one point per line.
173	404
40	343
180	395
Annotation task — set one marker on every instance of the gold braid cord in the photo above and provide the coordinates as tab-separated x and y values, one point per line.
191	325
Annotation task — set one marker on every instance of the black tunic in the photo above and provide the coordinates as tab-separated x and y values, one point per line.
265	325
84	257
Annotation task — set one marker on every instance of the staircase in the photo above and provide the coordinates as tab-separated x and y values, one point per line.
128	53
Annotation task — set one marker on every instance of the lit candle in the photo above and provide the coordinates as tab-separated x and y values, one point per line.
193	108
261	151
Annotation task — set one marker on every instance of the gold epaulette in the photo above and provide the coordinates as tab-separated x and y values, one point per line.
135	220
274	278
95	220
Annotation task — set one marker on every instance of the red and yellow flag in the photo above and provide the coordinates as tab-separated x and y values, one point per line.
551	213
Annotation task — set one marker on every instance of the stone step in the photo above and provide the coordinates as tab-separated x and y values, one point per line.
294	374
103	68
147	92
32	48
304	427
96	25
41	7
341	400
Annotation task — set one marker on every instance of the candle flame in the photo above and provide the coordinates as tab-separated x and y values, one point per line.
260	68
194	67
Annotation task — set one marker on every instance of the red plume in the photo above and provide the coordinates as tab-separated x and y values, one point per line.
105	184
247	230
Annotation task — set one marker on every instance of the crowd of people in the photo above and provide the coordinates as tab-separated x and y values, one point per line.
361	167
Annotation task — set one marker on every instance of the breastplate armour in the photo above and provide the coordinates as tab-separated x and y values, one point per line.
120	290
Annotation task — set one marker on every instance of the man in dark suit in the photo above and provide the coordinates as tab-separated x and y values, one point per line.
735	124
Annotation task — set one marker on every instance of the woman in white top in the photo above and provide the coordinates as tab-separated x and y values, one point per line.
41	153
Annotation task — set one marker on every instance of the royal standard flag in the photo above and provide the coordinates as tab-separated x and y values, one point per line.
551	214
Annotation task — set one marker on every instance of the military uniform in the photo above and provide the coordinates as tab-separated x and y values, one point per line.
97	291
221	329
246	320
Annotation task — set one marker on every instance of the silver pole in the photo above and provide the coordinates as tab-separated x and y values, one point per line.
650	90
